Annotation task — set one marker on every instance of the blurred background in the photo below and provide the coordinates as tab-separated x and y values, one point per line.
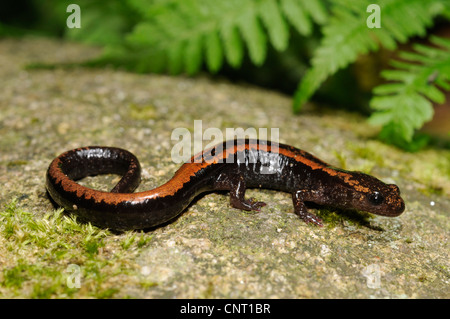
268	43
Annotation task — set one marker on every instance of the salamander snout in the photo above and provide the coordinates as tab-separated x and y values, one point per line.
386	201
395	200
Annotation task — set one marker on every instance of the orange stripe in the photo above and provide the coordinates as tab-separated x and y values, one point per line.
188	170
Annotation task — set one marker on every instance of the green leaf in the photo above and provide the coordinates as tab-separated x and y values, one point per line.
215	31
234	48
175	58
297	16
346	36
193	56
404	106
275	24
254	36
317	10
214	53
389	88
445	84
433	93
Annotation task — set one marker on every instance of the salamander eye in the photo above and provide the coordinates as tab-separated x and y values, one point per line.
376	198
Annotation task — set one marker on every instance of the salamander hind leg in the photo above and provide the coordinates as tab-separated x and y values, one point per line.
237	196
301	210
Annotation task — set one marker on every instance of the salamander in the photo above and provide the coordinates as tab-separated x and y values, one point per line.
232	166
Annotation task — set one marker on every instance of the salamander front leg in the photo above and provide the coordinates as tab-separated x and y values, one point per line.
300	209
237	196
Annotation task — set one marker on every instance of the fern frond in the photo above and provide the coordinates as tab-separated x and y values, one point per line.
405	105
346	36
254	35
181	35
214	51
276	26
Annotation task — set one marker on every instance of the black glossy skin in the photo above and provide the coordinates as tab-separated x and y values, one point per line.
233	167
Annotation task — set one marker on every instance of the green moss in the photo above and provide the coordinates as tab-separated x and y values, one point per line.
130	237
107	293
432	190
142	112
43	292
332	218
133	239
209	292
92	246
433	171
38	251
16	163
341	159
15	276
148	284
143	240
369	151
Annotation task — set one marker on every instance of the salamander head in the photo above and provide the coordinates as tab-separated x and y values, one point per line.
372	195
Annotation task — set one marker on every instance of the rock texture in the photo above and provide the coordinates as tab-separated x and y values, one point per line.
213	250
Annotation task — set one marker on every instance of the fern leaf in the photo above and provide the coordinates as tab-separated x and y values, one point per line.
275	24
297	16
193	56
316	9
254	36
214	53
234	48
346	36
175	54
184	34
404	106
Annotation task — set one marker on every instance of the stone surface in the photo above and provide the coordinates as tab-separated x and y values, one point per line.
213	250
